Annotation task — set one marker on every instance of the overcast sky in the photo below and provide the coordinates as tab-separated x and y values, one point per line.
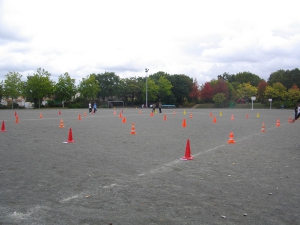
198	38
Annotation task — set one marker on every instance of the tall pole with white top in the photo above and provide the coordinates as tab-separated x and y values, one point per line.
146	70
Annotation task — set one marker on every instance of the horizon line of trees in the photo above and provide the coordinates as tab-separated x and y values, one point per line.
178	89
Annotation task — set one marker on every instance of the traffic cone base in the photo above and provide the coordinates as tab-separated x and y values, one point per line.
187	155
231	139
3	127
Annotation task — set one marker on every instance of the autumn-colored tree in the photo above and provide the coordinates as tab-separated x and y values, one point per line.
220	86
294	93
206	93
246	90
195	93
261	89
281	90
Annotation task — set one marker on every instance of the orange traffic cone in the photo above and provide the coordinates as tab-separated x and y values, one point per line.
232	117
70	138
115	112
210	114
151	114
165	117
263	129
215	120
174	113
231	139
132	129
120	115
79	117
84	114
59	112
61	124
187	155
17	119
3	127
184	122
15	113
140	112
278	123
247	116
290	119
41	115
191	116
124	120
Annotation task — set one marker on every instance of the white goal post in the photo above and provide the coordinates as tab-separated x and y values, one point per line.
108	102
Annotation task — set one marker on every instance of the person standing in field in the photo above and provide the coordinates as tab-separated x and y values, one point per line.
159	107
95	107
153	107
90	107
298	114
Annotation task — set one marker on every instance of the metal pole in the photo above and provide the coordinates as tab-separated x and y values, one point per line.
146	70
252	105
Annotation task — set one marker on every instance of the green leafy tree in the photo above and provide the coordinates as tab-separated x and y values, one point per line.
287	77
246	90
133	89
182	87
89	87
108	84
164	88
1	91
219	99
13	85
246	77
65	88
38	86
152	92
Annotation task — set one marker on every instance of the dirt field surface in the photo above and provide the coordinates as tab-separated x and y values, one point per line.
110	176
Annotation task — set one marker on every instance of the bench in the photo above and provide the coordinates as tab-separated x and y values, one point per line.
168	106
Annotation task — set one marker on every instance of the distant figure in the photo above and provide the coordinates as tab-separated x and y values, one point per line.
95	107
153	107
142	106
159	106
296	110
298	114
90	107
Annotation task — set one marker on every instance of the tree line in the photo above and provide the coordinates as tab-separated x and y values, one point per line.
178	89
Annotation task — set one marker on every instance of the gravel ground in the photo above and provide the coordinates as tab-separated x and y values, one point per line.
108	176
